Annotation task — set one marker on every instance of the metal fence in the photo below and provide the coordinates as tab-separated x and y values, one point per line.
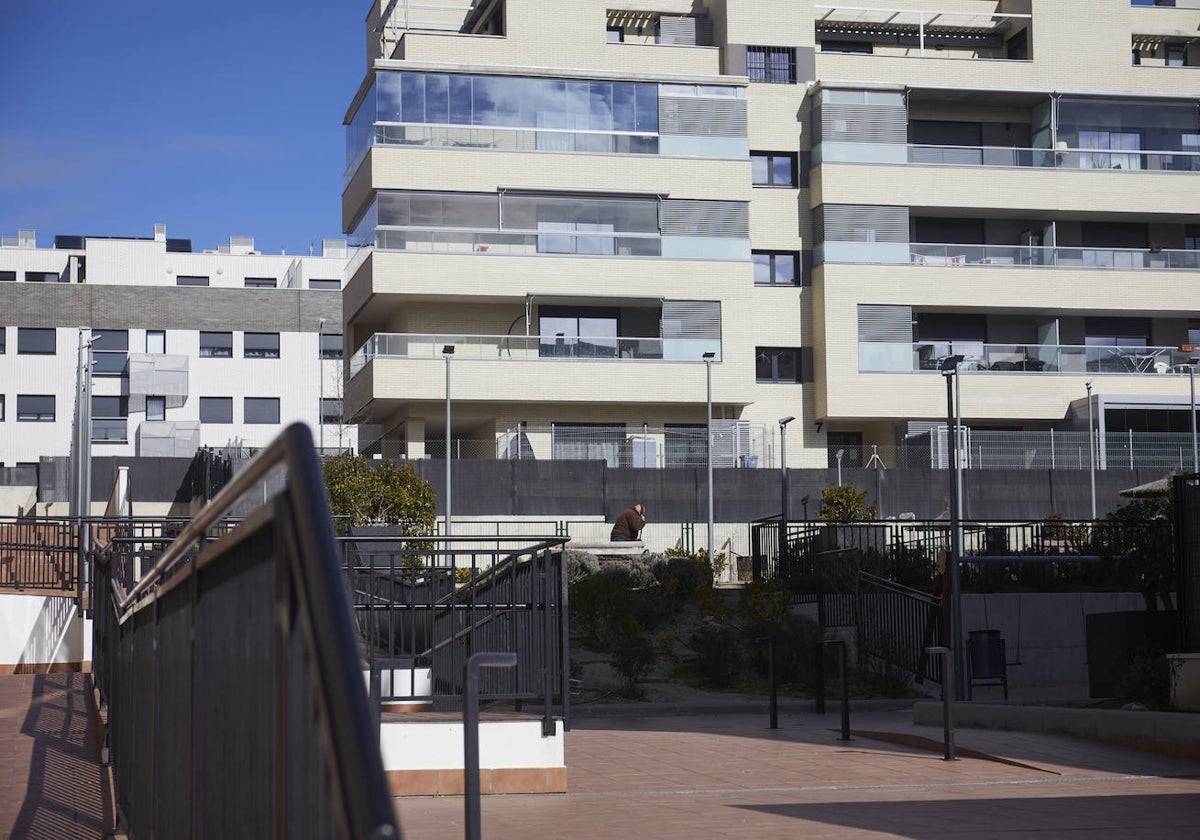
231	672
430	602
39	554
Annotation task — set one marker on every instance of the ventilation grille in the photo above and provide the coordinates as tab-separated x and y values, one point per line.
724	117
688	217
862	223
864	123
691	319
879	322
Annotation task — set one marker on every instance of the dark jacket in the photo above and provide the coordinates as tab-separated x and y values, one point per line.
629	524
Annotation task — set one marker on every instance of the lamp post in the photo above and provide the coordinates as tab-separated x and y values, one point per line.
448	354
949	370
708	363
783	491
321	379
1192	413
1091	448
839	455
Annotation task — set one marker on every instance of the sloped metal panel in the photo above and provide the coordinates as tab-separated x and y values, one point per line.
867	123
691	319
879	322
864	223
688	217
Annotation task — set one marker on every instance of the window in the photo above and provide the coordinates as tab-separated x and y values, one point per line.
684	445
261	346
261	282
156	341
110	352
776	268
773	169
35	341
1176	55
41	276
35	408
109	419
587	442
3	333
8	276
1	407
1113	343
776	65
216	409
156	408
783	364
1191	238
216	345
331	410
854	47
185	280
261	410
577	332
615	35
331	345
850	444
326	285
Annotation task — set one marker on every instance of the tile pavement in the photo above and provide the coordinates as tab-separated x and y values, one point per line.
729	775
51	784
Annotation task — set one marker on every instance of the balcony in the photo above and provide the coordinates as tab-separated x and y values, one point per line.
158	375
1007	157
980	33
1008	256
979	357
551	348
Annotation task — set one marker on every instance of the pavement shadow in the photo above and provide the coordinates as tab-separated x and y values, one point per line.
1115	815
67	792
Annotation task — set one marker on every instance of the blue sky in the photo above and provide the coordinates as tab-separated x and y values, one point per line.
217	118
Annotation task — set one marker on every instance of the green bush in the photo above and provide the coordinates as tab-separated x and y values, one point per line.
844	504
1147	680
765	602
719	653
363	492
632	655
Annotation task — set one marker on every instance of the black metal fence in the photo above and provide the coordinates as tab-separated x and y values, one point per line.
897	624
434	601
39	554
230	668
1187	552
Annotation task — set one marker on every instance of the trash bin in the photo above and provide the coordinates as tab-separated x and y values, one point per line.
987	660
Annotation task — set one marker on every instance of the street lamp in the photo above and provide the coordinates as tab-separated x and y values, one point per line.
783	487
321	379
708	363
839	455
949	370
1091	447
448	354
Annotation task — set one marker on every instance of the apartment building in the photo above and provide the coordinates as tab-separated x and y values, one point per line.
185	349
585	226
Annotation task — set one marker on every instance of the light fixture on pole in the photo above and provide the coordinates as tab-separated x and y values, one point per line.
783	488
709	357
448	354
839	455
949	370
1091	447
321	379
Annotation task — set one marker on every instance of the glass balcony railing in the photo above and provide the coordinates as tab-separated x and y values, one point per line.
533	347
495	242
518	139
1062	157
896	357
939	254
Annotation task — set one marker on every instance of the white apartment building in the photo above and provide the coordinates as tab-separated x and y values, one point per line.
220	348
584	224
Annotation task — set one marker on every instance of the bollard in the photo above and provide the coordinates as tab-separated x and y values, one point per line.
471	732
947	700
774	685
841	643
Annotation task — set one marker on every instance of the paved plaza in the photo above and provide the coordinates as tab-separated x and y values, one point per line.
729	775
690	776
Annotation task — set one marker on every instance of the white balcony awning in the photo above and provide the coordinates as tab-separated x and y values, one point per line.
158	375
167	439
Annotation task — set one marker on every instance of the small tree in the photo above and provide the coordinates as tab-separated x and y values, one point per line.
380	493
845	504
1143	545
